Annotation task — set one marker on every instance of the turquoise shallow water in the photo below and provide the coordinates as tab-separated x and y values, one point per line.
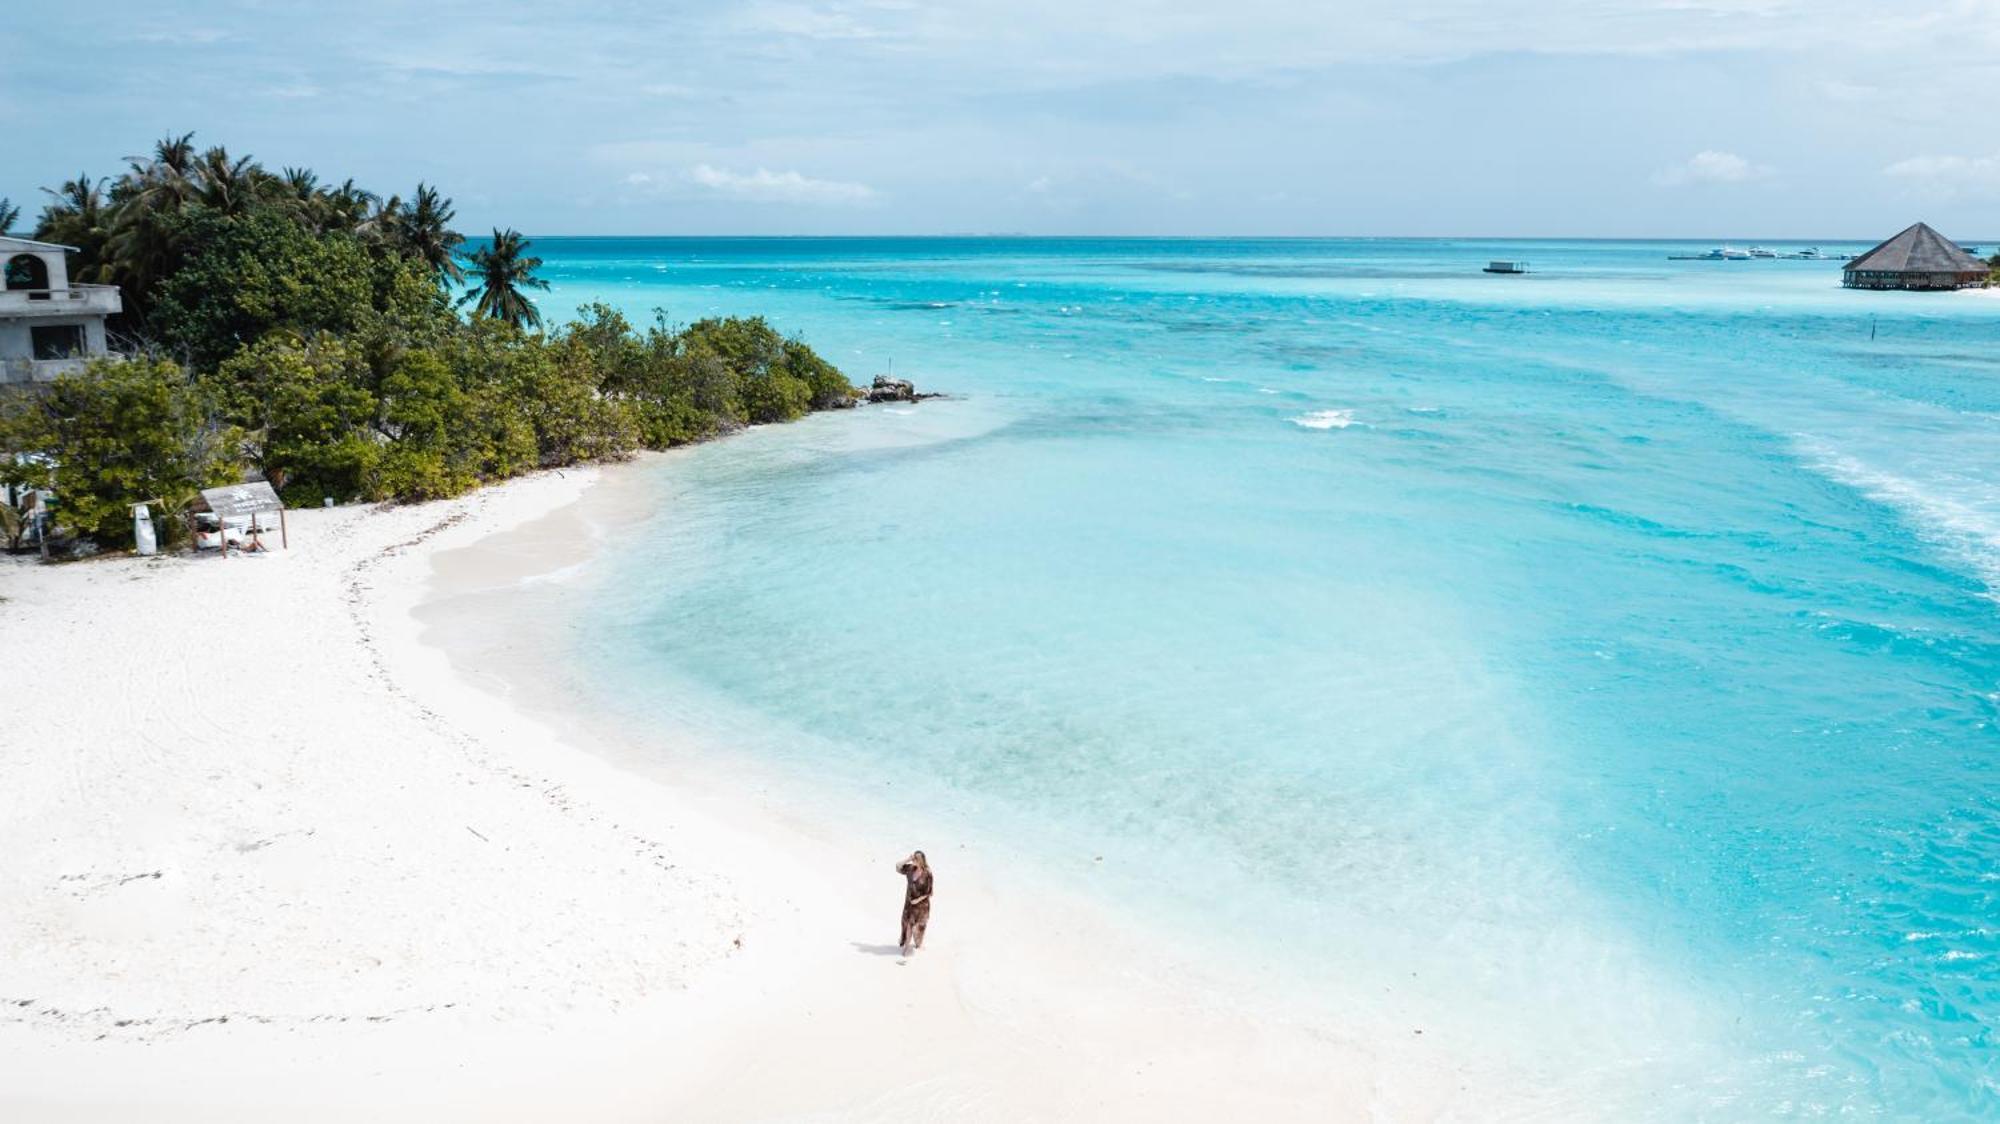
1605	658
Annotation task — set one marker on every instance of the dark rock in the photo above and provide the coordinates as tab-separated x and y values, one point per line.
887	389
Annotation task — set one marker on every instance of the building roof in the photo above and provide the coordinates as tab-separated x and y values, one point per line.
12	245
1918	249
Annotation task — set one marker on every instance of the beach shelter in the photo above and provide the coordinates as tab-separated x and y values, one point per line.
249	502
1918	258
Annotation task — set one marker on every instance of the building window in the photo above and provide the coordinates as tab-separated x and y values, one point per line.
26	271
57	341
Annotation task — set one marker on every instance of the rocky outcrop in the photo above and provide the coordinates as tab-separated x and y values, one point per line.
887	389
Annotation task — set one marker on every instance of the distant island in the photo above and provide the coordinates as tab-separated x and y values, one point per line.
342	345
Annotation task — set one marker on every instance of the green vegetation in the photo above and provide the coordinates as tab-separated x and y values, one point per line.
504	270
312	333
126	433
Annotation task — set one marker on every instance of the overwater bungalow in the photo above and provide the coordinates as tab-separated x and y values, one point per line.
1918	258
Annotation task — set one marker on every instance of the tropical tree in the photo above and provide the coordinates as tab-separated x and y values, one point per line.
9	214
303	183
503	269
423	231
140	250
305	412
73	210
162	183
346	207
315	336
75	216
228	186
298	190
121	433
239	279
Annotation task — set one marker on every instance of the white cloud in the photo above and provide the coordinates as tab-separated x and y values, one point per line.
764	185
1711	166
1949	176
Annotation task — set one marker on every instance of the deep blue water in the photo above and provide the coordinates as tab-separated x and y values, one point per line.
1604	658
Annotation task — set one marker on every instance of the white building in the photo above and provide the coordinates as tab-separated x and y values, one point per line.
47	325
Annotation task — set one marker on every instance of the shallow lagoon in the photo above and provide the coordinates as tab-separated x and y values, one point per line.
1605	656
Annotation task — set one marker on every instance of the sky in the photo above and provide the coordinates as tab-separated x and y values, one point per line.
1590	118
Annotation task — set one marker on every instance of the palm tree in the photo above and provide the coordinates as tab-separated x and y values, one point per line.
297	190
384	228
73	211
347	206
503	271
424	230
140	248
75	216
226	185
163	183
322	209
302	183
9	214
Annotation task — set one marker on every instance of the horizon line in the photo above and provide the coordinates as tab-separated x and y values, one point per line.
1024	237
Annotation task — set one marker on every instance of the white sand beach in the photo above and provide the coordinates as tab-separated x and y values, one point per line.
271	856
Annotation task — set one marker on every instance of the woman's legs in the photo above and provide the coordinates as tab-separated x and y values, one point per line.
916	918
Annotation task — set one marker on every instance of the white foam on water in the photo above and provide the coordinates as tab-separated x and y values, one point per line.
1324	419
1964	526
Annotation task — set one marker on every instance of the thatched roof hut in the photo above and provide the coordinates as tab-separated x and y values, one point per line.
1918	258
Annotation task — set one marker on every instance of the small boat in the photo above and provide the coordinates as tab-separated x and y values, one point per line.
1720	253
1761	252
1506	267
1810	253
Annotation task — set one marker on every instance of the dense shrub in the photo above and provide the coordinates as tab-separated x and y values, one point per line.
313	339
120	433
244	276
307	414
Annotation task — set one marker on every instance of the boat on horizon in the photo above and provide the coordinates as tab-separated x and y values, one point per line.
1506	267
1720	253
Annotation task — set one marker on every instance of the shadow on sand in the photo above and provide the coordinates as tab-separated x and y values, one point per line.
876	949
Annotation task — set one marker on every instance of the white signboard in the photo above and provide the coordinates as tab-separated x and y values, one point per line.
242	499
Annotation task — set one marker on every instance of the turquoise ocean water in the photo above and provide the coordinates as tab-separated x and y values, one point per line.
1603	659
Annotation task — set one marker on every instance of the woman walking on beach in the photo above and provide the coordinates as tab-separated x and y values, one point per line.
916	900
